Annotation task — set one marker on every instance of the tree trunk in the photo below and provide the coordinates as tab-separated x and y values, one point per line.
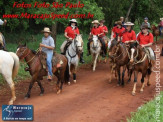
54	32
128	13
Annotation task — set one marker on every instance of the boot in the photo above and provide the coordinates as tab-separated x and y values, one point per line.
81	58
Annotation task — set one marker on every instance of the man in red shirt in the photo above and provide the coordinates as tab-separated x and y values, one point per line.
70	34
117	30
145	39
128	35
103	36
96	30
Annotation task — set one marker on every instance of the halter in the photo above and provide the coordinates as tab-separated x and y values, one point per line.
23	53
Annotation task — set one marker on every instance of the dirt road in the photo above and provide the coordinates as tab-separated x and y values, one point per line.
91	99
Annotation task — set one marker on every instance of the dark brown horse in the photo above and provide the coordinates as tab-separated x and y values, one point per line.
155	31
139	63
37	71
120	57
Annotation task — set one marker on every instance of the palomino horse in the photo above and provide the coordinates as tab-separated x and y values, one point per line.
37	71
155	31
120	57
9	66
72	54
140	63
95	49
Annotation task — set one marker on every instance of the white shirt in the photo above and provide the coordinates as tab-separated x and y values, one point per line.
1	22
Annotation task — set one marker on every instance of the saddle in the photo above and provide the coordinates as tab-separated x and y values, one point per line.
66	46
56	61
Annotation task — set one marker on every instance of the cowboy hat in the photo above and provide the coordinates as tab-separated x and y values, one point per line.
145	26
73	20
119	23
161	18
129	23
46	30
96	21
102	21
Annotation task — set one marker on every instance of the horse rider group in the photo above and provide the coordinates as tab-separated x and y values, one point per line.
122	31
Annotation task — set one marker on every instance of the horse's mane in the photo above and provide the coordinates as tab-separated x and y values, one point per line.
33	51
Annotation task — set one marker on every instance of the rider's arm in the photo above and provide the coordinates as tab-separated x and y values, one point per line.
1	22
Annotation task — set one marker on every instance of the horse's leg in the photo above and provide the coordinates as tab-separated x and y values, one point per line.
130	74
119	75
74	74
60	79
148	82
95	61
41	88
12	87
123	74
112	71
142	81
69	64
34	77
135	82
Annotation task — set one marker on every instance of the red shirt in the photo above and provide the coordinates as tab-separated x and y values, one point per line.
118	31
104	28
161	23
145	39
71	33
96	31
128	36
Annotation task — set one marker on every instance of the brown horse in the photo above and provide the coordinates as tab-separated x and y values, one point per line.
155	31
139	63
120	57
37	71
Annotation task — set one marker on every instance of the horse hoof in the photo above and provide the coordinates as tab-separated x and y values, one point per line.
110	82
59	91
25	98
133	94
118	84
69	83
141	91
74	81
10	102
41	94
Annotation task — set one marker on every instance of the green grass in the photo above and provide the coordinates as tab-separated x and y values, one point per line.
147	112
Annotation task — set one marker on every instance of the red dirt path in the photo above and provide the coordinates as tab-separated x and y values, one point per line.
91	99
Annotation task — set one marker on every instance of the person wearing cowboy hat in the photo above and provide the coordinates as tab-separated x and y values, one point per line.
128	35
117	30
146	22
47	46
105	30
2	39
161	26
145	39
98	31
70	34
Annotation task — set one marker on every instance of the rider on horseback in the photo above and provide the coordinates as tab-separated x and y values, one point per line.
128	35
105	30
161	26
98	31
117	30
48	46
70	34
2	39
146	22
145	39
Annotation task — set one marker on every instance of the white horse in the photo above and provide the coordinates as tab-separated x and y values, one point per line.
9	66
95	49
72	54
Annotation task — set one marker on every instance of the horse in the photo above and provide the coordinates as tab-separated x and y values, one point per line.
155	31
95	49
72	53
120	57
9	66
37	71
139	62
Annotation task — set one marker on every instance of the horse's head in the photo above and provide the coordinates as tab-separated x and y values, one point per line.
79	43
22	51
95	40
153	27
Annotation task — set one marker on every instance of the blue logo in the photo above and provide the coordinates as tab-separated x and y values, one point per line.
17	112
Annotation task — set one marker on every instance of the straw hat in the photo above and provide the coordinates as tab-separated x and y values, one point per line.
96	21
145	27
129	23
73	20
161	18
119	23
46	30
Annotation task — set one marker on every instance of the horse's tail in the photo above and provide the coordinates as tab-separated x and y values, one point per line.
16	64
67	75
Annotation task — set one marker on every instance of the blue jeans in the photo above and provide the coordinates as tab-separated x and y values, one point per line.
49	62
161	30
